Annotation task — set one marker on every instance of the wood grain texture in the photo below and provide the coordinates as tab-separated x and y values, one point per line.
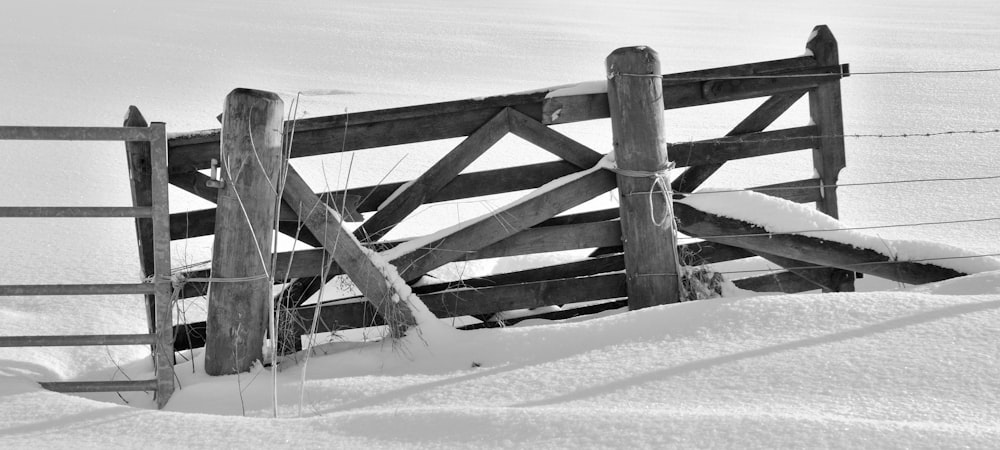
250	159
553	141
140	176
827	113
634	96
347	251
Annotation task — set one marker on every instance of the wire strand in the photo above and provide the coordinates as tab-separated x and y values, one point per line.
918	260
834	230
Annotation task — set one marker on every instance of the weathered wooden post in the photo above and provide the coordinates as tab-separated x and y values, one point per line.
635	95
241	259
828	158
140	171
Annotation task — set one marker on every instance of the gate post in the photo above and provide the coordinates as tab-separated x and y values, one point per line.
635	96
241	257
829	157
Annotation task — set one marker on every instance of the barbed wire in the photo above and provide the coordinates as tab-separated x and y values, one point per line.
840	185
742	139
837	74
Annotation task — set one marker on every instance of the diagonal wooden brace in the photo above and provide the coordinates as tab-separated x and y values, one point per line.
327	225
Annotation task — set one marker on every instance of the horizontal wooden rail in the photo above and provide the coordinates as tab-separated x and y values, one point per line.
76	211
781	281
683	90
76	289
370	129
308	263
27	133
100	386
197	223
475	301
721	150
75	340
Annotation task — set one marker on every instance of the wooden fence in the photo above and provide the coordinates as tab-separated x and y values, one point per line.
535	226
147	147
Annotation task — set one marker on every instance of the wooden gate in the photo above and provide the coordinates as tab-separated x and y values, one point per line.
148	144
535	226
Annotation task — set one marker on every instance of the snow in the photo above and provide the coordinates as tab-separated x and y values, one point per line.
916	368
885	369
782	216
585	88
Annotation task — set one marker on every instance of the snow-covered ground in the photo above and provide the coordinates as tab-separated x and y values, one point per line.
900	368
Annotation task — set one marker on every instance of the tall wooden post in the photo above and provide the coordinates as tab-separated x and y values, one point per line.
635	95
140	171
160	198
829	157
241	258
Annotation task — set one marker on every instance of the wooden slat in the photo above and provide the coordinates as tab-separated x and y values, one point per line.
191	224
100	386
194	183
73	133
504	223
782	281
562	314
75	211
584	217
800	191
488	300
76	289
77	340
552	141
140	171
587	267
414	194
356	131
826	278
477	301
717	151
551	239
757	121
197	223
804	248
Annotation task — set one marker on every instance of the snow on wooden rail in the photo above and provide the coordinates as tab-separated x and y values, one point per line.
774	226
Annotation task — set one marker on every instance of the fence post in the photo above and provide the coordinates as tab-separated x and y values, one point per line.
140	171
250	160
635	95
163	316
826	112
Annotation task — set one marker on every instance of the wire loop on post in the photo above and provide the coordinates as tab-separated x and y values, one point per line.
660	178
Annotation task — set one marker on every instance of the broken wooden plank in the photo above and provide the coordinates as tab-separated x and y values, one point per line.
696	223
